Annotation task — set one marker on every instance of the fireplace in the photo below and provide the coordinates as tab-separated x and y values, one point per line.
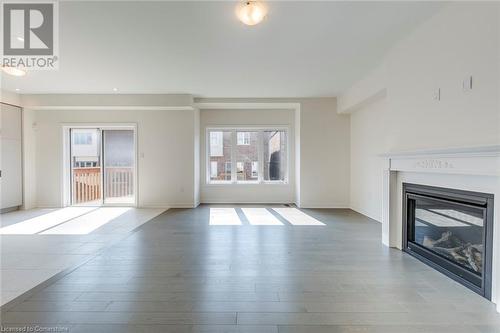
450	230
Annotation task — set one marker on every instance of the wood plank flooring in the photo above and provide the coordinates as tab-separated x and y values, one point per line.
177	273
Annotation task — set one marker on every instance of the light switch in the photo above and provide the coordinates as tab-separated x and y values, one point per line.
467	83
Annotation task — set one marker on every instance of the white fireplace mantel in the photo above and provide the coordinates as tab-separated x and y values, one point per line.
473	168
483	160
472	161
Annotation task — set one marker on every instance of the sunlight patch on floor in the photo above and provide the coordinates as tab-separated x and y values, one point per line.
46	221
297	217
87	223
224	216
260	216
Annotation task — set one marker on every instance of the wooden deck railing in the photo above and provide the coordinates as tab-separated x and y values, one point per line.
87	184
87	187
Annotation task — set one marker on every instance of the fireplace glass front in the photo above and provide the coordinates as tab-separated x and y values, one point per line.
449	230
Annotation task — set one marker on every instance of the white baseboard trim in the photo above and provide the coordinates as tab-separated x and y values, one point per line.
303	205
48	207
323	205
365	213
170	206
139	206
154	207
236	202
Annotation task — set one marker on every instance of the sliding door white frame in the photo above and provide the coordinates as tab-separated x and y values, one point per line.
66	160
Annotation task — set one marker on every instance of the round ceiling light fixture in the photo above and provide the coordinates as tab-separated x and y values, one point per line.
14	71
251	12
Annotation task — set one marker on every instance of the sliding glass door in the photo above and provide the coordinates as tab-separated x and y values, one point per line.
86	175
119	167
102	166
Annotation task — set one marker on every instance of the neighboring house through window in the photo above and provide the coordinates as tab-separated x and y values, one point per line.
255	169
260	155
213	169
227	170
243	138
216	143
83	138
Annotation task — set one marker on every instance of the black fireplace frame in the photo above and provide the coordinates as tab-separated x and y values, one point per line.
480	285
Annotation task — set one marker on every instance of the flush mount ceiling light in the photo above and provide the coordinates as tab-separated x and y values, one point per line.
14	71
251	12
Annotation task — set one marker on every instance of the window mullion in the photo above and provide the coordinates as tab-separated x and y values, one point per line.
233	156
260	154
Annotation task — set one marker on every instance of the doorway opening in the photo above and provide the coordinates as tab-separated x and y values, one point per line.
102	166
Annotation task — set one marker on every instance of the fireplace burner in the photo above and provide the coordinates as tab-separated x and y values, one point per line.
450	230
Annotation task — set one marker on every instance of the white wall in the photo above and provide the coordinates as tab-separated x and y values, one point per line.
367	142
28	150
253	193
166	148
324	157
322	140
460	40
11	187
171	148
197	156
9	97
29	159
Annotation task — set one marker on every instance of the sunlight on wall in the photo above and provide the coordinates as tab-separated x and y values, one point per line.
224	216
260	216
87	223
297	217
43	222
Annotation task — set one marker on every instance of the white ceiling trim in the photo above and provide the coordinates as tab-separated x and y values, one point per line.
247	106
111	108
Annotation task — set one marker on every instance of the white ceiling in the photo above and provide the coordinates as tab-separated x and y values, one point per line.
302	49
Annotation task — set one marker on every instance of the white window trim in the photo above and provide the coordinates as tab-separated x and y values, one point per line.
260	153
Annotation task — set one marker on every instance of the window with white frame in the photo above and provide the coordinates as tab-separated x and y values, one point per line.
216	143
274	155
240	168
227	171
219	155
213	169
247	156
243	138
255	169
